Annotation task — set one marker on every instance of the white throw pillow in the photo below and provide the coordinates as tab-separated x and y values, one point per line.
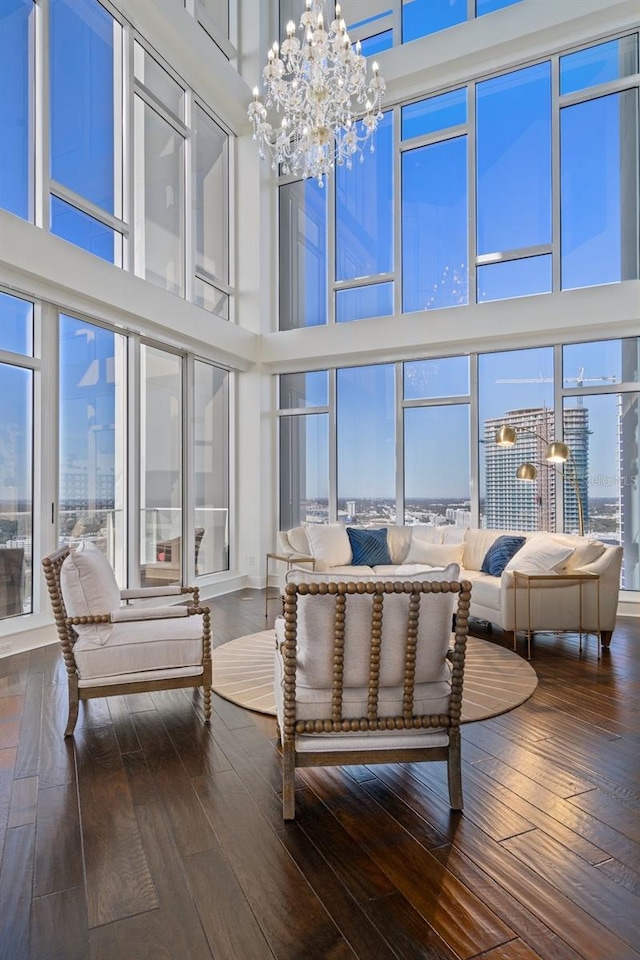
435	554
299	541
88	583
329	543
582	553
540	554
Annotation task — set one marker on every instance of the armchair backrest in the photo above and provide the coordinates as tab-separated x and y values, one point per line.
372	636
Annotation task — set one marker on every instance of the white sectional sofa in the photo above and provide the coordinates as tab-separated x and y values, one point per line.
554	604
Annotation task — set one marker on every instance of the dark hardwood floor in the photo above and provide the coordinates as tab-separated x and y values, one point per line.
152	836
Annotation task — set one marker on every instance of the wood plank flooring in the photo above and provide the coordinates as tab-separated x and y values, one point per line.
150	835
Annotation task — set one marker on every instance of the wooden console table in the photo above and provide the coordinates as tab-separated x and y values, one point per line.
290	560
532	578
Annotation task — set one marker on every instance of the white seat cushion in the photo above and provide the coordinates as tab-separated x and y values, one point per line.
143	645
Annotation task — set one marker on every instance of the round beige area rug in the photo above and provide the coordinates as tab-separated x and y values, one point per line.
495	679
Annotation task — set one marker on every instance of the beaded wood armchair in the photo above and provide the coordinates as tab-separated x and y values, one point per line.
365	673
110	649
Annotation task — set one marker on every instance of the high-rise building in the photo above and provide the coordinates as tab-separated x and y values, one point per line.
518	505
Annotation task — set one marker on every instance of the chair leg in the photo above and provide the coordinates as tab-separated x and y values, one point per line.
454	769
74	703
288	781
207	703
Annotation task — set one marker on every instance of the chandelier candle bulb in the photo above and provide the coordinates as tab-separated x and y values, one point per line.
319	87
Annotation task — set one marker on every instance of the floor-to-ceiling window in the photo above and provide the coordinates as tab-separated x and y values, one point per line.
304	448
95	147
379	24
429	452
514	185
161	468
436	441
92	439
211	467
16	455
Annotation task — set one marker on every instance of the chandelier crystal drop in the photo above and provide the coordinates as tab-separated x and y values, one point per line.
320	109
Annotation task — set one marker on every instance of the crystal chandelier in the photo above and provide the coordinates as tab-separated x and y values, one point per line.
318	85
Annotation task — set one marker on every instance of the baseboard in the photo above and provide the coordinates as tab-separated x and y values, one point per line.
629	606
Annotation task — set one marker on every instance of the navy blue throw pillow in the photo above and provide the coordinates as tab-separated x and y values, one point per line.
499	553
369	547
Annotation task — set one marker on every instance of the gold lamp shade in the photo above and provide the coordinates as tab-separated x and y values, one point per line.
506	436
526	471
557	452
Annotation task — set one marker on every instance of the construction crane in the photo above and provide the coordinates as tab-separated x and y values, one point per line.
579	381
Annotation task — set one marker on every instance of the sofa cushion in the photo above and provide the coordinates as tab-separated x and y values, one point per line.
584	551
368	547
140	646
476	544
436	554
329	543
499	553
485	590
299	541
540	554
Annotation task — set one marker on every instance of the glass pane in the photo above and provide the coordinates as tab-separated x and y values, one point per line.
601	362
599	64
434	226
210	197
603	434
92	439
434	114
514	278
367	13
160	83
217	13
436	465
514	160
374	300
160	200
211	458
444	377
83	44
215	301
83	231
304	390
160	467
488	6
516	388
16	325
304	470
366	444
16	90
303	255
376	44
16	490
421	17
599	190
364	210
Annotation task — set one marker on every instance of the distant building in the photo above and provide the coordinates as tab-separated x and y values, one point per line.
513	504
